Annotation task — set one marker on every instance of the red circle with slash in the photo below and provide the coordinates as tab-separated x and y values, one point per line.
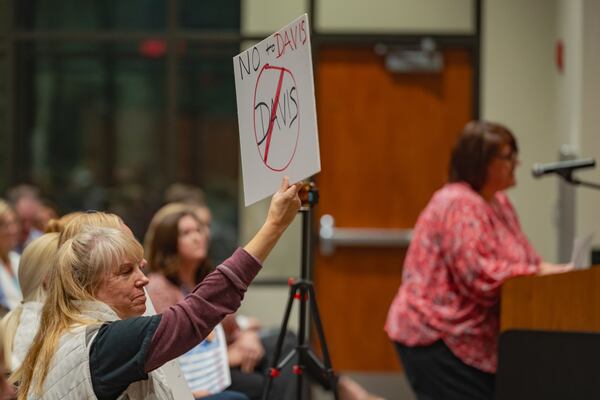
278	157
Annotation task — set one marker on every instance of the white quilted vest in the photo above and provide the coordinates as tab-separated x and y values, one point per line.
69	376
29	324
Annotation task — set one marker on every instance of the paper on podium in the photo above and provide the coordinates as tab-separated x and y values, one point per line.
581	250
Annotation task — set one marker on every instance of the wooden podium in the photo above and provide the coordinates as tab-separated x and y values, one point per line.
550	337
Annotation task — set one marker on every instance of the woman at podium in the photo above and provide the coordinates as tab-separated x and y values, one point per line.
444	319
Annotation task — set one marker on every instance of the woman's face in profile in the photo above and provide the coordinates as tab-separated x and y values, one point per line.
123	289
501	171
192	241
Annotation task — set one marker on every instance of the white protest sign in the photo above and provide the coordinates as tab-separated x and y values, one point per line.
276	111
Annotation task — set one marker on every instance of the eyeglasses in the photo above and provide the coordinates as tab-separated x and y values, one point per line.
512	156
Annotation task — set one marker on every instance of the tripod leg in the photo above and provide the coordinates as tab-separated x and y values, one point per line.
301	367
317	370
287	359
314	309
273	370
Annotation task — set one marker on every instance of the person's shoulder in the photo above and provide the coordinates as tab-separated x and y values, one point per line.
502	198
33	306
459	202
158	281
163	293
14	257
456	193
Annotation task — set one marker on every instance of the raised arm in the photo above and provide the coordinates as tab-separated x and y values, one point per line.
185	324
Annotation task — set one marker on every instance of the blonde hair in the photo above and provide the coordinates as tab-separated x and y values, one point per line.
80	266
34	266
83	220
58	224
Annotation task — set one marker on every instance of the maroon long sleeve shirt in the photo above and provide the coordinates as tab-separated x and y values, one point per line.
125	351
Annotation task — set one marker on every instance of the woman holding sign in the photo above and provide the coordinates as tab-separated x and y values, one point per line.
467	242
90	342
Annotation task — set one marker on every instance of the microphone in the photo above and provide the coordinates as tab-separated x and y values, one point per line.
563	168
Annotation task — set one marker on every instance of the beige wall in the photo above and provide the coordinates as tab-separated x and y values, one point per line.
569	82
588	211
263	17
394	16
386	16
518	89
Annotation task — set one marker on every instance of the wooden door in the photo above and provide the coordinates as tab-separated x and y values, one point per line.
385	142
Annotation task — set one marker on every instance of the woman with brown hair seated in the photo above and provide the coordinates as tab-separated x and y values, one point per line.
176	246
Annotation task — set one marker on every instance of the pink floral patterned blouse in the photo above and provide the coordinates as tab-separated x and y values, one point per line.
463	249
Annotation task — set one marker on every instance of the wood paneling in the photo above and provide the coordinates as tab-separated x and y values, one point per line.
565	302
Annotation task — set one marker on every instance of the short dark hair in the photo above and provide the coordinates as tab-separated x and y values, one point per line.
474	150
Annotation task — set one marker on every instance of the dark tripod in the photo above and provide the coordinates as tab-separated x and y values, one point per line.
303	291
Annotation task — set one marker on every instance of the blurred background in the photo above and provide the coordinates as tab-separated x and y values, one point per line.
105	103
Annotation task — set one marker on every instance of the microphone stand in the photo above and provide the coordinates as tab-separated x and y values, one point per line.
568	177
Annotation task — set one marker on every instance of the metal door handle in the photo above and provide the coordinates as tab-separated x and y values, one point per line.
330	237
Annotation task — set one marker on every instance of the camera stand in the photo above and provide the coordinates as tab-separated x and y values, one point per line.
303	291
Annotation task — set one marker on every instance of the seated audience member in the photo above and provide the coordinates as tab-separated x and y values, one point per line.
26	202
466	243
176	246
21	324
26	324
72	224
193	197
9	259
92	313
46	213
222	230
